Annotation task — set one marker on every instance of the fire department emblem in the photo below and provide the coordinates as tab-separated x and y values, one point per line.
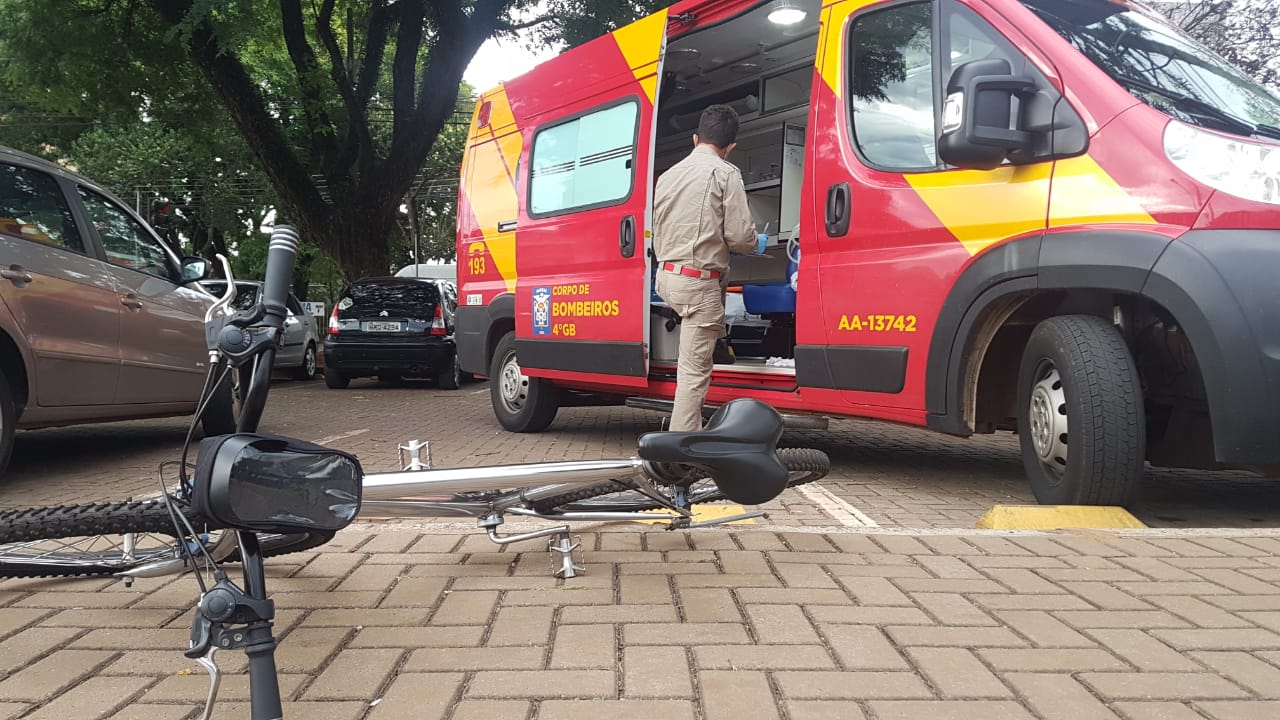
542	311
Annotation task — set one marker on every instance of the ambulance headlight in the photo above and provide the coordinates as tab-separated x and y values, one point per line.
1246	169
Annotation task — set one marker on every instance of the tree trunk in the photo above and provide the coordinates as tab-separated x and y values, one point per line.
357	235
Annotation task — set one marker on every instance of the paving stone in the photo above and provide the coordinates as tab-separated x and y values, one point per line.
949	710
1155	711
1143	651
584	646
1241	709
52	674
656	672
732	695
863	647
1171	686
424	696
827	685
824	710
354	675
957	674
543	683
1058	697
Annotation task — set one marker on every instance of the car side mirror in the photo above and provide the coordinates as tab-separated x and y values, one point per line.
977	115
194	268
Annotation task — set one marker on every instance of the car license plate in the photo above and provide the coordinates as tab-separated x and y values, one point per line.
380	326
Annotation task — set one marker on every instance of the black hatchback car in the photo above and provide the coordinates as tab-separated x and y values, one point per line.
393	328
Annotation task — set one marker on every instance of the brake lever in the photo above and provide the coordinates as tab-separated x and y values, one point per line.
216	316
215	681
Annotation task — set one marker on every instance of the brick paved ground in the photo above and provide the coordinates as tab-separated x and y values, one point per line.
793	618
897	476
753	623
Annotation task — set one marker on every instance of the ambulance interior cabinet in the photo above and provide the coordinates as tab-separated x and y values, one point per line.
772	165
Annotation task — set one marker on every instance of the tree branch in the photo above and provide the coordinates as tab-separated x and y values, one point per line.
358	141
513	27
375	44
248	110
307	68
458	38
404	69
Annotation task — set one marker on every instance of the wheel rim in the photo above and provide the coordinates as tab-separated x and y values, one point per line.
513	386
309	362
1048	416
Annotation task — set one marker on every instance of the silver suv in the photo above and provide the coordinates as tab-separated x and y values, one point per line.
99	319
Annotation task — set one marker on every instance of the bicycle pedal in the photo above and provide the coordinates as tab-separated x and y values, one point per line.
414	448
564	566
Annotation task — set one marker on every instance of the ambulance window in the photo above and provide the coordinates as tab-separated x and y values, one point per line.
969	38
891	81
584	163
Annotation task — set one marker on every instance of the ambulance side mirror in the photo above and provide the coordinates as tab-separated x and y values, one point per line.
979	127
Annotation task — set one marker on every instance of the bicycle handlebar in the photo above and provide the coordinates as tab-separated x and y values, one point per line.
282	253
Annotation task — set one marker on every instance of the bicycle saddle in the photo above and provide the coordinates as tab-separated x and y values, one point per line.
736	448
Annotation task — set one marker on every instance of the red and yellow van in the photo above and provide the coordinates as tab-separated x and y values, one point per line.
1054	217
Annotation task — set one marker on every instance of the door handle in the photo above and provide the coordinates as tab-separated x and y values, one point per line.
838	209
16	275
627	237
131	301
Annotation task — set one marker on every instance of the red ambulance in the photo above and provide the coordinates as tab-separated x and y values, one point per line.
1054	217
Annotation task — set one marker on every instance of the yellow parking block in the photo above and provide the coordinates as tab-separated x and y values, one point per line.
1057	517
707	512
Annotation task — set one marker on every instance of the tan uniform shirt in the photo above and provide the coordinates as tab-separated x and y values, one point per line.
700	213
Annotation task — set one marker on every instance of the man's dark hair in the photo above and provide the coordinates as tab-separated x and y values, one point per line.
718	126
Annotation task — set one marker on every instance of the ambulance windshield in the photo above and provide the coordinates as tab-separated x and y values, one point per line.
1153	59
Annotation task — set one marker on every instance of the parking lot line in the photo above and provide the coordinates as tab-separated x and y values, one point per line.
839	510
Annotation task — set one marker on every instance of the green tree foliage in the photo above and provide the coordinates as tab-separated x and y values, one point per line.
339	103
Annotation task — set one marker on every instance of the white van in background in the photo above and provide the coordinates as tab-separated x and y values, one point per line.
433	271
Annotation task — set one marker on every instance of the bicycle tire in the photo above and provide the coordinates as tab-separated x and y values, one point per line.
812	465
20	527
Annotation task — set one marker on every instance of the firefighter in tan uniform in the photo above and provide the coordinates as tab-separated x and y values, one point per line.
700	215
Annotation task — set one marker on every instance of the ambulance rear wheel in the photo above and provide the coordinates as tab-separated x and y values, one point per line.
1080	422
522	404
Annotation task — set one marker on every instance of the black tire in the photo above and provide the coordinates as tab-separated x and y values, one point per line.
522	404
8	421
450	378
334	379
1081	423
805	464
307	369
221	413
137	516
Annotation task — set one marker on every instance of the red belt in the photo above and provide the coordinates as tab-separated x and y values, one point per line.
690	271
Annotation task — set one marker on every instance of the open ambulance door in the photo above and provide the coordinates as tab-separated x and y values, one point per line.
583	282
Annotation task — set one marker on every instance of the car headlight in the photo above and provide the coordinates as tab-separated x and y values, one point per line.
1246	169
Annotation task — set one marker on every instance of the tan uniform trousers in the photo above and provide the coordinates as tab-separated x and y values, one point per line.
700	304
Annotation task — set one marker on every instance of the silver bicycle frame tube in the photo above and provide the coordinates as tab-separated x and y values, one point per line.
442	493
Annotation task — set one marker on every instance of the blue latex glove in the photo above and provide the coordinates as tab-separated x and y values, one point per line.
762	241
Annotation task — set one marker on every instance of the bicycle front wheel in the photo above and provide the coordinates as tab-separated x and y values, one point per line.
110	538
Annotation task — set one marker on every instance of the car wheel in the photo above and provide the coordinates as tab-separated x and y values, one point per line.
1080	422
334	379
222	411
8	421
451	377
307	369
521	403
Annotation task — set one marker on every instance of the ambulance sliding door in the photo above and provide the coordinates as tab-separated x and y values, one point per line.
582	293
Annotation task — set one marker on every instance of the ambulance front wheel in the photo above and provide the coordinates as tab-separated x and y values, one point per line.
1080	421
521	403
